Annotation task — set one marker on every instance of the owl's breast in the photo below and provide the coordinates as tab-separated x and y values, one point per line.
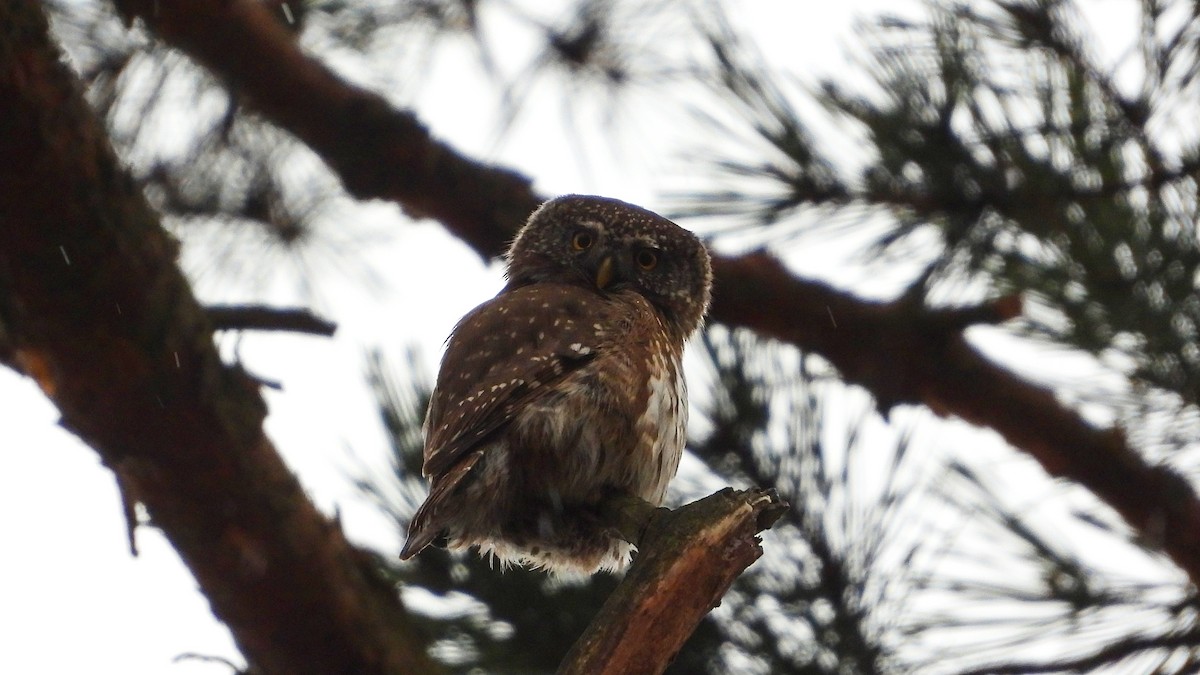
617	421
662	427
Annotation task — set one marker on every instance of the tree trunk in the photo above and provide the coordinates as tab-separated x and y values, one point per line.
93	307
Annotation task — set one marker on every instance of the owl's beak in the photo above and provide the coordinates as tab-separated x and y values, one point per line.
604	273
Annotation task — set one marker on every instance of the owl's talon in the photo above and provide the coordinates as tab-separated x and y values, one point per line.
630	516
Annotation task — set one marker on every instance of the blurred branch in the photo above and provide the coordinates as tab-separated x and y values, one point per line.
96	311
379	152
686	561
259	317
901	353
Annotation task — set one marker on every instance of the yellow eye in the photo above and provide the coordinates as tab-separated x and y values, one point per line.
582	240
647	259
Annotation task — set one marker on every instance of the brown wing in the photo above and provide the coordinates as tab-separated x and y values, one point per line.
502	356
505	354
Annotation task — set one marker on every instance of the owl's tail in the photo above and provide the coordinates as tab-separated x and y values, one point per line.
427	524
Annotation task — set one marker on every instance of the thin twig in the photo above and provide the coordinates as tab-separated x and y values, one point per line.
261	317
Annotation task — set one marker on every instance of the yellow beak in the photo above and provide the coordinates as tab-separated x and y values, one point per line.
604	274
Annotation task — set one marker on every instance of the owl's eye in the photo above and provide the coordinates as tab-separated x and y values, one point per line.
582	240
647	259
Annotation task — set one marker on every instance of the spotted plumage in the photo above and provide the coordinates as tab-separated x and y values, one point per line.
565	388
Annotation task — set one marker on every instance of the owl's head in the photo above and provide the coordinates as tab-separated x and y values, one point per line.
609	245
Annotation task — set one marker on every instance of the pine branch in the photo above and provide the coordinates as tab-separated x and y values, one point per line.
900	354
379	152
686	561
94	309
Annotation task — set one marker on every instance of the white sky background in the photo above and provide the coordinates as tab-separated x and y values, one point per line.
71	597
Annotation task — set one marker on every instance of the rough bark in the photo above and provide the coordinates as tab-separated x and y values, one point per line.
686	561
901	354
94	308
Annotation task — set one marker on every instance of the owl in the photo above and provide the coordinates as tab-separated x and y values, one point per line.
565	389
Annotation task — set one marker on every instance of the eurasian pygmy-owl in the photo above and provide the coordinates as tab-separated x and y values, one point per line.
564	389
